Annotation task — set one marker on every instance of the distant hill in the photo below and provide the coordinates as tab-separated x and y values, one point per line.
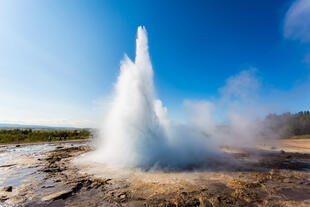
4	125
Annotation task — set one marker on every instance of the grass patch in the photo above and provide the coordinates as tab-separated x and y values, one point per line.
306	136
8	136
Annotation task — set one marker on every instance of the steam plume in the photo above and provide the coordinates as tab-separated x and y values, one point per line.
136	131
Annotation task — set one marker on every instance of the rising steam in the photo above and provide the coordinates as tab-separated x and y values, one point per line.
136	131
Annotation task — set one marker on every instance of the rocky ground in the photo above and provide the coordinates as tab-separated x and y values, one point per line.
255	177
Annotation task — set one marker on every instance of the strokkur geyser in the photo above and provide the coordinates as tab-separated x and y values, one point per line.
136	131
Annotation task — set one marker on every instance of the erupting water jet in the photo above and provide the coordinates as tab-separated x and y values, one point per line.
136	131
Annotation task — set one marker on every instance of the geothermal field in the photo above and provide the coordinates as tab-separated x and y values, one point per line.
56	174
141	158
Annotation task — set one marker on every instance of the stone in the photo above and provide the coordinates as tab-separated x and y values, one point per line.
122	196
48	186
8	188
3	198
204	202
58	195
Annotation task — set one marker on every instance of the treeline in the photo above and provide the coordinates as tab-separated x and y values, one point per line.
41	135
288	124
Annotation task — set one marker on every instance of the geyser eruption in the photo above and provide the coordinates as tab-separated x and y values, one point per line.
136	131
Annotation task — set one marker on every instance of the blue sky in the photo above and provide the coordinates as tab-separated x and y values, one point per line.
59	59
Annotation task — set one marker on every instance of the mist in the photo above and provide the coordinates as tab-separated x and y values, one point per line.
239	116
136	131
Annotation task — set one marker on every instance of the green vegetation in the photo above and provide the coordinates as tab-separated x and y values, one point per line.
289	125
307	136
42	135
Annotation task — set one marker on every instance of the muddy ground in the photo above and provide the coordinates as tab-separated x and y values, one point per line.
253	177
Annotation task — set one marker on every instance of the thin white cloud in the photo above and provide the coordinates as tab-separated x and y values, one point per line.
297	21
241	85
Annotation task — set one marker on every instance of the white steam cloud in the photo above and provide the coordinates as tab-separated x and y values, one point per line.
136	131
232	119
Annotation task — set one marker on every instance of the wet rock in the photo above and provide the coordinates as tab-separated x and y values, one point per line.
273	172
10	165
77	187
8	188
3	198
188	199
53	159
216	201
122	197
58	195
160	203
204	202
18	145
52	170
48	186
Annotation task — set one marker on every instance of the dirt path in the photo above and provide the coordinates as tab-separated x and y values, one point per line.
297	145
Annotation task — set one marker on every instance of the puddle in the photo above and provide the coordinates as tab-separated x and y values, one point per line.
24	171
301	165
18	180
14	175
9	152
48	186
21	176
